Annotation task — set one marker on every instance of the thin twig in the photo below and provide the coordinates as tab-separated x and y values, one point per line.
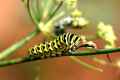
29	12
84	64
77	53
56	9
9	51
94	52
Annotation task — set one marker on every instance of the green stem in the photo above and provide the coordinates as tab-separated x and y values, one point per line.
30	12
94	52
56	9
79	53
9	51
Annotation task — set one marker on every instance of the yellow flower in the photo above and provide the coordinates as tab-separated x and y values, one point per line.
71	4
106	33
79	21
76	13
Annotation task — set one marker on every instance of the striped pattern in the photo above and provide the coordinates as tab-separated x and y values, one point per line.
57	47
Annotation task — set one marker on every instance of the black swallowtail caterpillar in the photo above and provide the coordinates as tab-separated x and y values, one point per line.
59	46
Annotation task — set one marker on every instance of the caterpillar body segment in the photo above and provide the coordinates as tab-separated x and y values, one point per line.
57	47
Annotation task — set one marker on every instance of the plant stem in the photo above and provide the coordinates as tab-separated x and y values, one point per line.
9	51
77	53
94	52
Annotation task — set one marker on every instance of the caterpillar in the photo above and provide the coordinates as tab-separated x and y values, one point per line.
59	46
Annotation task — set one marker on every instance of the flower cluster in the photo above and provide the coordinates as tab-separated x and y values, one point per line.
107	34
78	20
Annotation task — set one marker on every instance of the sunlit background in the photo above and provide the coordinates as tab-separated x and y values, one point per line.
15	24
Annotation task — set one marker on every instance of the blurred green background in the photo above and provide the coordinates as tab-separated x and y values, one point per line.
15	24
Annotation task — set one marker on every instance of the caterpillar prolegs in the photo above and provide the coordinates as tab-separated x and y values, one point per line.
59	46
